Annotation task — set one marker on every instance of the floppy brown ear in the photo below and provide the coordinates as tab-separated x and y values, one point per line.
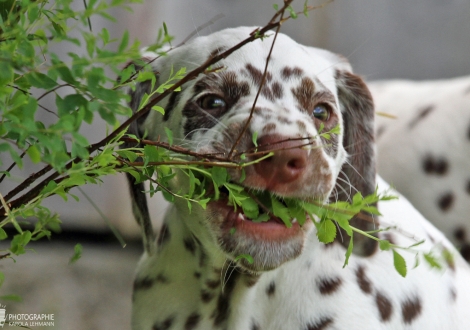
358	172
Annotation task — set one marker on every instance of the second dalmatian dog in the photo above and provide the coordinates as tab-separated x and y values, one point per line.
189	278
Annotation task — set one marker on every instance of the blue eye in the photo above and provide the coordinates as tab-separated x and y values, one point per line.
212	102
321	112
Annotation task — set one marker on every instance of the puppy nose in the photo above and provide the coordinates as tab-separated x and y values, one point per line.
286	165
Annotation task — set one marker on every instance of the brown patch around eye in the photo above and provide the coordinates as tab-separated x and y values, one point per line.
304	94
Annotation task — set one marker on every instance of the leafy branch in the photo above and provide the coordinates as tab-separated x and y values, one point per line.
71	161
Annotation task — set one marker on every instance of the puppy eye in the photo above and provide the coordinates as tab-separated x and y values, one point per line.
321	112
212	102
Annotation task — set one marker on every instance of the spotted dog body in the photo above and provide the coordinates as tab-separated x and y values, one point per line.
425	151
190	280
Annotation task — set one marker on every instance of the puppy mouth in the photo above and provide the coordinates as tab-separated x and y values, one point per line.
267	227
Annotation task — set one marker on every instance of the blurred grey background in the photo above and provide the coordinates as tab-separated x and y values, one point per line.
383	39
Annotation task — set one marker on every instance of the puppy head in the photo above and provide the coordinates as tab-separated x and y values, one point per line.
307	91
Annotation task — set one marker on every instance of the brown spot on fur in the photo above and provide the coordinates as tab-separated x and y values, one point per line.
321	324
460	234
213	284
271	289
302	127
216	52
284	120
206	296
162	279
363	281
410	309
329	285
165	325
257	75
465	252
192	321
268	128
190	245
453	294
143	283
423	113
384	306
197	275
277	89
432	165
389	237
254	325
288	72
446	201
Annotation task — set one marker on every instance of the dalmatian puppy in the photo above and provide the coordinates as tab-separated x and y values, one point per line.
191	277
424	151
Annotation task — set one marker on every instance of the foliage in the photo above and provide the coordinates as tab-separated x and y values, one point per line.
83	88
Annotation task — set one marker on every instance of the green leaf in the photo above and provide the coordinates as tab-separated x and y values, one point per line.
124	42
169	135
384	245
250	208
192	184
349	250
254	138
281	211
34	154
40	80
326	231
432	261
219	175
247	257
203	202
399	263
19	241
2	279
159	109
78	249
3	234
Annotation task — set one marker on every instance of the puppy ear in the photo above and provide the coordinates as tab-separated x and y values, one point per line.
359	171
141	88
138	197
